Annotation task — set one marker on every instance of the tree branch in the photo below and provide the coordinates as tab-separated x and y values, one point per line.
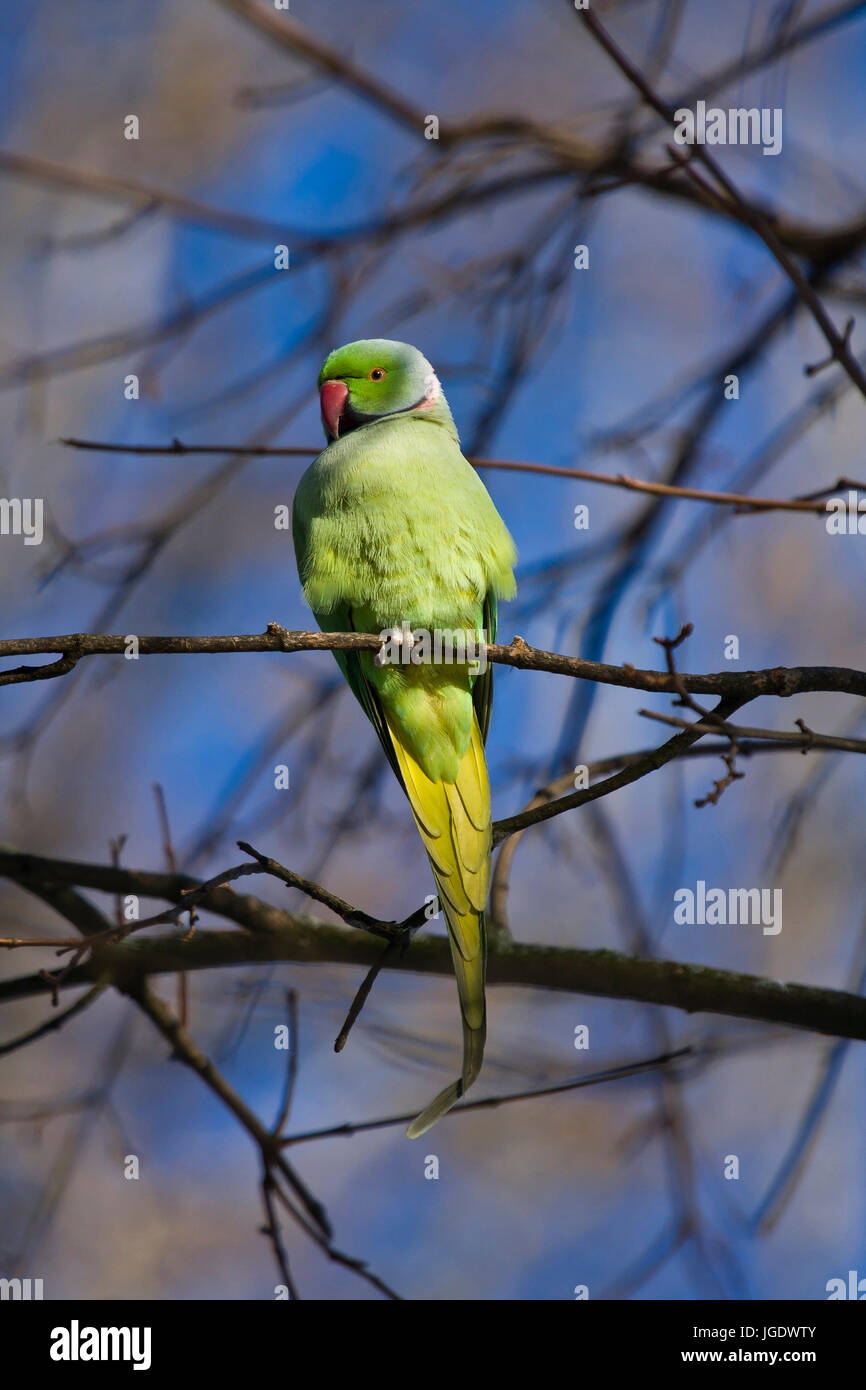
274	935
736	685
739	208
743	504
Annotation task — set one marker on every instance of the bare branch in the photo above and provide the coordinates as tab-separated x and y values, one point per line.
619	1073
750	216
741	502
271	934
736	685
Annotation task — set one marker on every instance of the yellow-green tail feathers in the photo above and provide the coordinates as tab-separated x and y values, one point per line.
454	821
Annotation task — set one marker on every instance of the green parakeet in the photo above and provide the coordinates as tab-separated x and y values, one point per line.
392	527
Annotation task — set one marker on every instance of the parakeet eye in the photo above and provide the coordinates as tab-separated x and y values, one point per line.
377	374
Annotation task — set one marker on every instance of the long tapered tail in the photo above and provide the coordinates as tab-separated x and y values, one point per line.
454	821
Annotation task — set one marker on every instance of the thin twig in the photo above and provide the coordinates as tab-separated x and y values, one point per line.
618	1073
742	502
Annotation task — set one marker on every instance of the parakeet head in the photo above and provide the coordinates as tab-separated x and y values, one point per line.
374	378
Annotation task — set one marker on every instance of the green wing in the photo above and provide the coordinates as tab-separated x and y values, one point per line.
341	620
482	691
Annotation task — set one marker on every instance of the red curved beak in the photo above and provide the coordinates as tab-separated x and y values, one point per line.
332	398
